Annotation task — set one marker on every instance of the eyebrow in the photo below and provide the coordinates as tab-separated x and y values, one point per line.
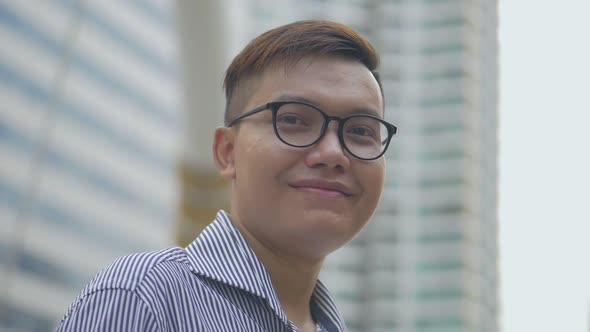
356	110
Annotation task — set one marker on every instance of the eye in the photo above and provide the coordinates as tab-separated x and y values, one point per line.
291	119
361	131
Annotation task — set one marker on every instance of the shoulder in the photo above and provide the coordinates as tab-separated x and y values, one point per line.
128	272
113	293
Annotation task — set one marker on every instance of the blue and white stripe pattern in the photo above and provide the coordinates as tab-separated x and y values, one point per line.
215	284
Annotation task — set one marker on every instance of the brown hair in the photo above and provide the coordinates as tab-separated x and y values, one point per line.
289	43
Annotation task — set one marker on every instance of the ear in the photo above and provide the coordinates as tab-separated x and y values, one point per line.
223	152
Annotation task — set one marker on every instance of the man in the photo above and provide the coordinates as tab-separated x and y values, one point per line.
302	147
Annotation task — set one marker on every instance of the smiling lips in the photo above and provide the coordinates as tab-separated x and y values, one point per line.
322	187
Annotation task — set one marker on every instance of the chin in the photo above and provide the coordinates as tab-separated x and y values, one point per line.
331	226
325	218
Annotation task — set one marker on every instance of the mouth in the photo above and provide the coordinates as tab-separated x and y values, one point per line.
322	188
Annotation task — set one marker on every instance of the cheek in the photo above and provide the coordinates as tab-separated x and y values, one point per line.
261	160
250	149
373	178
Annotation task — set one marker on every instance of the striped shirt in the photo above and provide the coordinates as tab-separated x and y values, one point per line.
215	284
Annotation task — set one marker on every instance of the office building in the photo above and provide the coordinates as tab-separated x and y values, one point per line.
88	146
428	261
90	122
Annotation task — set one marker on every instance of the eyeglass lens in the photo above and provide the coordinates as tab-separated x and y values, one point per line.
301	125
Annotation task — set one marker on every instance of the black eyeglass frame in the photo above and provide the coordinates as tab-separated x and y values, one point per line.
275	105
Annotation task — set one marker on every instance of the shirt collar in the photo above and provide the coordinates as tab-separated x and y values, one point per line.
221	253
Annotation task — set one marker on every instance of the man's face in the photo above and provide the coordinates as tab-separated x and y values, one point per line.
305	201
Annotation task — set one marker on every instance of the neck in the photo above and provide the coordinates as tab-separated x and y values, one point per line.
293	278
294	282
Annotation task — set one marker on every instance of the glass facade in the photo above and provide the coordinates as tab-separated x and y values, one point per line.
88	146
90	124
428	259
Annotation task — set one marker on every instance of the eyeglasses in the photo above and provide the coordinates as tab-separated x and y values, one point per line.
300	124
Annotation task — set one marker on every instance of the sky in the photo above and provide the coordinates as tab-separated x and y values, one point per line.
544	165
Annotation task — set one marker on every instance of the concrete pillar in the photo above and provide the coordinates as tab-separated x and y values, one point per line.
205	41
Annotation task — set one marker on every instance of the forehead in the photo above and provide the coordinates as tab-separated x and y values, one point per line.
332	83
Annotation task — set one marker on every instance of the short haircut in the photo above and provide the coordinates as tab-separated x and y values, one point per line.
290	43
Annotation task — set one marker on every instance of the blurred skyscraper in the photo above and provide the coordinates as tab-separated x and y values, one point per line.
428	261
89	123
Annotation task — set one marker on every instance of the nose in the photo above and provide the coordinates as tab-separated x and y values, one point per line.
328	151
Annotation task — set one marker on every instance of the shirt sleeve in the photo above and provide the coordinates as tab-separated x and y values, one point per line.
109	310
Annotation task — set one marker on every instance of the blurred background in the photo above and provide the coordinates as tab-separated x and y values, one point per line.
107	111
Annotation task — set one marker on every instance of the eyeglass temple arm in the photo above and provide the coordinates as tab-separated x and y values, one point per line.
252	112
